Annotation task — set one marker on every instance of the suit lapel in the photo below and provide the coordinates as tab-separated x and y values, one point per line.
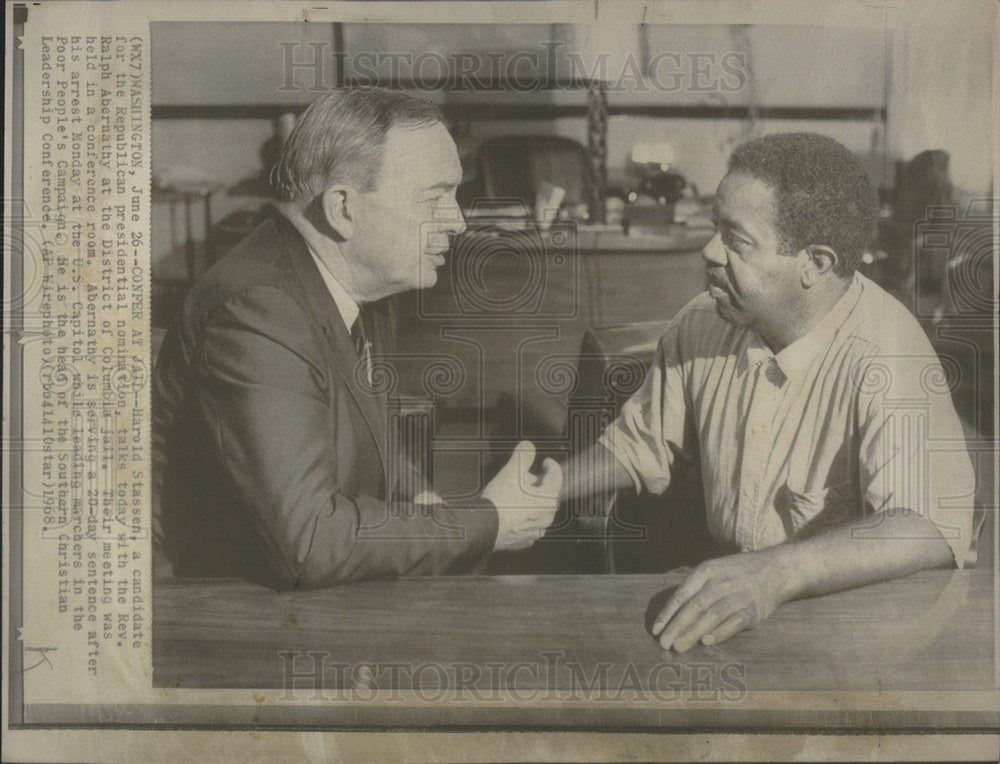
324	309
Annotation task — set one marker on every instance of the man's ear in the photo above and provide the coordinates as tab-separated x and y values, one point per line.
338	204
819	261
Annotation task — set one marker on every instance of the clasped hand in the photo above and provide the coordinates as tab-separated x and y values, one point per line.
525	503
721	598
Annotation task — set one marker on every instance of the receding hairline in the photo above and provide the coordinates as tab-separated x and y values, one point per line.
374	114
413	127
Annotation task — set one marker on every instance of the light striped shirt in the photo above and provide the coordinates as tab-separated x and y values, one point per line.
851	420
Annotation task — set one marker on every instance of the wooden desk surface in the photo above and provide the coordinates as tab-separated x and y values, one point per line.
928	631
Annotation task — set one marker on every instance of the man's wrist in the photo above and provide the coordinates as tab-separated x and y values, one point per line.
500	538
788	569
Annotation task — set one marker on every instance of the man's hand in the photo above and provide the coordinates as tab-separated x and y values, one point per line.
724	596
720	598
428	497
526	504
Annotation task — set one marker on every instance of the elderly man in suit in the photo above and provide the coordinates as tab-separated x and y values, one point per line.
807	396
273	458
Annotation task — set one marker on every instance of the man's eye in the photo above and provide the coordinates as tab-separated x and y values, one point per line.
732	240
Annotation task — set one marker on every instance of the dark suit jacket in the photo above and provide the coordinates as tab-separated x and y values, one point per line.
270	456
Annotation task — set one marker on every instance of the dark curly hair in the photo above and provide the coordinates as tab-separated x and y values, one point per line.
823	194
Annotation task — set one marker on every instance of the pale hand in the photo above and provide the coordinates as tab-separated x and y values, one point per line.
428	497
721	598
526	504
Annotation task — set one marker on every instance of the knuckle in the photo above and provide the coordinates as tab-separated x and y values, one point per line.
716	611
689	588
741	620
698	575
737	622
700	603
707	567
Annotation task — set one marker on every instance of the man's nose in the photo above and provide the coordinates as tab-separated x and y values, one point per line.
714	253
450	219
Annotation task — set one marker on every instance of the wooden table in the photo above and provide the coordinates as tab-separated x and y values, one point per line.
488	651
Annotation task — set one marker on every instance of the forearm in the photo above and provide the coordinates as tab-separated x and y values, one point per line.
365	538
729	594
594	472
877	548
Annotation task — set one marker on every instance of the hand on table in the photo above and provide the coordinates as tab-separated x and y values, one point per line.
526	504
720	598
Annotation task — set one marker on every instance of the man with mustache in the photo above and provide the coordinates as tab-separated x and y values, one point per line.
274	462
806	393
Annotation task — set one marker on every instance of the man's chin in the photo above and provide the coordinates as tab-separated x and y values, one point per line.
428	277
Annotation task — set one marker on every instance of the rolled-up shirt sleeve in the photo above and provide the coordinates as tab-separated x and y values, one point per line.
649	431
913	453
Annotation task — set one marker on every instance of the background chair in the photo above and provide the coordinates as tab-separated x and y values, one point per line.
516	166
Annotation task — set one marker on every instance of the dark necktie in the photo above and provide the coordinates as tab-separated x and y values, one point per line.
362	344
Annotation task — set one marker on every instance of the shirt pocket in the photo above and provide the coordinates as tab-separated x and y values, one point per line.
806	513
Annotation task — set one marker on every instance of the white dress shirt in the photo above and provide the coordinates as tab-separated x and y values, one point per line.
346	305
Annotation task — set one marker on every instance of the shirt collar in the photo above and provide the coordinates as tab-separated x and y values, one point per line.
346	305
797	357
